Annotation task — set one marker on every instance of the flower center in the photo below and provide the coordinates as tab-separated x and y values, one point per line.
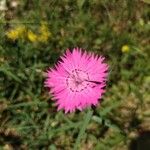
77	80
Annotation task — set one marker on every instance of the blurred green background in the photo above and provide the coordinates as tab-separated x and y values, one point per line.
34	33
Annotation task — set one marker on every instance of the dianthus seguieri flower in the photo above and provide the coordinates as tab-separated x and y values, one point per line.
78	80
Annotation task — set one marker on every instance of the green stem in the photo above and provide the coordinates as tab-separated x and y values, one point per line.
87	118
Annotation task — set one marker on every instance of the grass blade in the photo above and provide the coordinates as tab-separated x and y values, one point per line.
86	121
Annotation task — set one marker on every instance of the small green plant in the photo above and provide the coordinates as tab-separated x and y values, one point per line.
33	36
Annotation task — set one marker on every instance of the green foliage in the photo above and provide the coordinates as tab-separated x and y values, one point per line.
28	117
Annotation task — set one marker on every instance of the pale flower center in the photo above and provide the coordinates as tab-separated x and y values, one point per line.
77	80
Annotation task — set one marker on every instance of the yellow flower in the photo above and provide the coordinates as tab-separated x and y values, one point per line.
125	49
13	35
16	33
31	36
44	33
22	32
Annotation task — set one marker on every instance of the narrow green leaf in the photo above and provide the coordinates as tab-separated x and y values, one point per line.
108	109
86	121
26	104
10	74
80	3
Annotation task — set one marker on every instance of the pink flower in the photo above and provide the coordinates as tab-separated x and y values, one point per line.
78	80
